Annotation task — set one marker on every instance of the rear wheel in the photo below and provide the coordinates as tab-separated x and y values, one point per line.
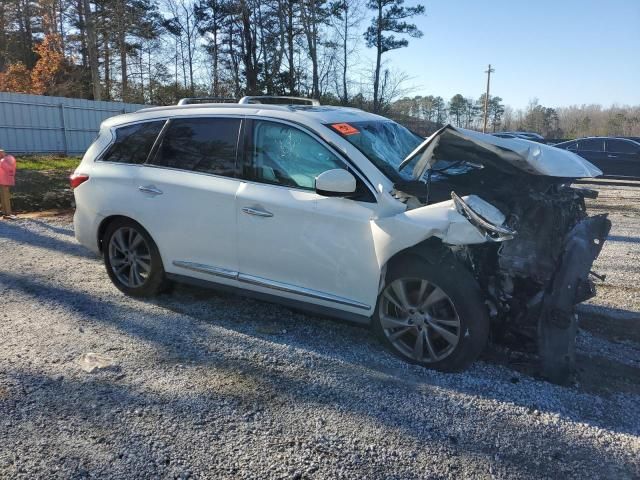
432	314
132	259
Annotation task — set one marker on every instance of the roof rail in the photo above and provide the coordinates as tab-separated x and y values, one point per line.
275	100
196	100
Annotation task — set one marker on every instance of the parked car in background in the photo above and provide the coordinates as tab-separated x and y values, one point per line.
615	156
534	137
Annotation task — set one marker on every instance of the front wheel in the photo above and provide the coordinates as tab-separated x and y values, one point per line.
432	314
132	259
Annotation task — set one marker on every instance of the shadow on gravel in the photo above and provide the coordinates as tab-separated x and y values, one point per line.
357	376
61	230
623	238
110	415
130	321
17	233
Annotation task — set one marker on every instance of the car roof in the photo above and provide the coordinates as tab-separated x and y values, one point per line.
635	140
301	113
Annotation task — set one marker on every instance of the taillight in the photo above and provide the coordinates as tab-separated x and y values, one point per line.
77	179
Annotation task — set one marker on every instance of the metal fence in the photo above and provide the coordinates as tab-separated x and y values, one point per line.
39	124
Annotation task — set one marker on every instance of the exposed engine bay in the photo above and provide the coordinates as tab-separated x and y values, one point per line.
535	265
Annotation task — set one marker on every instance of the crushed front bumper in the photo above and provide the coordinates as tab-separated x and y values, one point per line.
557	323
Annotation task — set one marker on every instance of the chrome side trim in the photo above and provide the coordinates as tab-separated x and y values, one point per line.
201	268
266	283
307	292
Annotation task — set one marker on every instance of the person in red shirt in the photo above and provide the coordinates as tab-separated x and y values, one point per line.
7	179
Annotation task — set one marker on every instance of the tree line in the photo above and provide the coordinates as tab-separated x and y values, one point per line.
460	111
159	51
156	52
554	123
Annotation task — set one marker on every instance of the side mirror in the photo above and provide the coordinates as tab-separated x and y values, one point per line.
335	183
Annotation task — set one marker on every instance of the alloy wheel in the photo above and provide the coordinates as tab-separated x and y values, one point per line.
419	319
129	257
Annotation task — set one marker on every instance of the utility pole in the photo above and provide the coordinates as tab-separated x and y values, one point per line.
489	71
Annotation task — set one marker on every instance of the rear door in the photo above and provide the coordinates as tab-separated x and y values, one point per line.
593	150
294	242
623	157
186	196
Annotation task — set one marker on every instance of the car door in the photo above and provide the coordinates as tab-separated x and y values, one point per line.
186	196
294	242
593	150
623	157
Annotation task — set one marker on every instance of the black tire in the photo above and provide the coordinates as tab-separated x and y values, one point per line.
152	283
464	300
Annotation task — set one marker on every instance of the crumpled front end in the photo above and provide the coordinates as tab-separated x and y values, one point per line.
533	281
538	250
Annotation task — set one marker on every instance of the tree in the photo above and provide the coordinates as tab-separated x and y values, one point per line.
495	110
210	15
50	64
17	78
347	16
389	17
313	14
542	120
457	106
440	109
183	24
92	50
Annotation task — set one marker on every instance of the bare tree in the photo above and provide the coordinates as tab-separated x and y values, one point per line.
347	16
92	50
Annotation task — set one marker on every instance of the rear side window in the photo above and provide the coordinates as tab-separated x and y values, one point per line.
591	145
133	143
205	145
622	146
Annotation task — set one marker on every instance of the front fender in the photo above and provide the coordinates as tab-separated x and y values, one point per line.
398	232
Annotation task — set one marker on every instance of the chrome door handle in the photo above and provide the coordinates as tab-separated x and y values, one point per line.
150	189
257	212
612	156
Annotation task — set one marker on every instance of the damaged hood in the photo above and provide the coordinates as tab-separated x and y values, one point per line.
458	144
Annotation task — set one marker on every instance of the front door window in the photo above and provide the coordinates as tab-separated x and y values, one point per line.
284	155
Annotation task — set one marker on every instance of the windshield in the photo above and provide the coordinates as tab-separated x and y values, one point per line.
384	142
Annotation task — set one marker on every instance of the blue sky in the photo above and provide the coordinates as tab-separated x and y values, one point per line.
562	52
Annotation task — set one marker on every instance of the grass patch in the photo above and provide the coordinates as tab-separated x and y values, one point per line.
47	162
42	182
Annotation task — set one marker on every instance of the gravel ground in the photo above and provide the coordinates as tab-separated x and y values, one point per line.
207	385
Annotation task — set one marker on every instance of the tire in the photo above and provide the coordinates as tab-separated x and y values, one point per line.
126	243
442	300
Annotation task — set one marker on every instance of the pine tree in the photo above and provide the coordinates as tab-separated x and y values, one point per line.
390	16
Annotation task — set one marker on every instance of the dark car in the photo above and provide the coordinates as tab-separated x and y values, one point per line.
615	156
531	136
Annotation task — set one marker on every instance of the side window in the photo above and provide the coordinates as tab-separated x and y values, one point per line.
205	145
133	143
591	145
573	146
622	146
283	155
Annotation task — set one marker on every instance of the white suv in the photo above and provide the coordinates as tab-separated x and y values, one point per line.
345	213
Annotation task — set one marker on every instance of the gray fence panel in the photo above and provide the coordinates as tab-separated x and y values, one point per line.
39	124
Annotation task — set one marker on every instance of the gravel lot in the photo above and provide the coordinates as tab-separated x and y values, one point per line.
207	385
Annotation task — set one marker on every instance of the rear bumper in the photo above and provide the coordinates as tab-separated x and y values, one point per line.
85	226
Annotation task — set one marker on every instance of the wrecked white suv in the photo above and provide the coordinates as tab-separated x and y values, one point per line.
433	242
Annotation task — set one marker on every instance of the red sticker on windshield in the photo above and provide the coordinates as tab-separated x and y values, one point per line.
345	128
